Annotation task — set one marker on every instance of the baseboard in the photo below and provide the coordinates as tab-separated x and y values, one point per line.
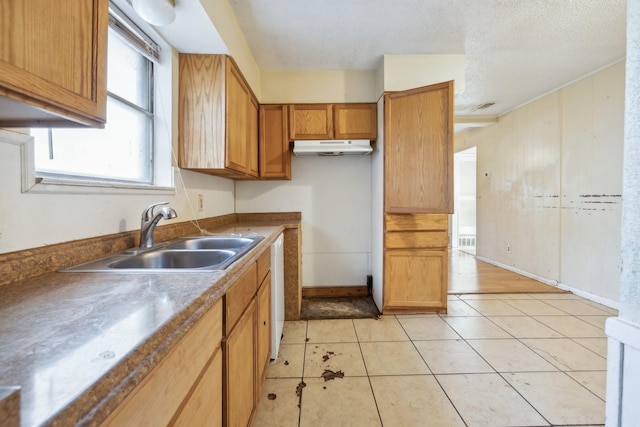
554	283
334	291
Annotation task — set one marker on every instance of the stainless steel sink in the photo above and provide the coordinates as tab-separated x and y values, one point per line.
212	242
159	259
185	254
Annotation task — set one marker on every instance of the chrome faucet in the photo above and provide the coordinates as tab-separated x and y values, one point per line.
149	222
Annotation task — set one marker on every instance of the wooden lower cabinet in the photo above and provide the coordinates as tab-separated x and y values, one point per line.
204	406
415	280
247	345
160	397
214	375
240	370
264	330
416	263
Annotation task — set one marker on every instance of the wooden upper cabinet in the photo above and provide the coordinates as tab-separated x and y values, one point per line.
310	121
333	121
418	150
254	150
355	121
53	61
217	118
275	156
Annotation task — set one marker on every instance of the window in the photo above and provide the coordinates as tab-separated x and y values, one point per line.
125	151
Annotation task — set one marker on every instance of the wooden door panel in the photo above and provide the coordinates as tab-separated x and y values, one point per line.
310	121
415	278
275	157
237	123
240	371
419	150
264	330
355	121
53	56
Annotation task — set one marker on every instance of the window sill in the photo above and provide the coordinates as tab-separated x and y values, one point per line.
38	185
71	186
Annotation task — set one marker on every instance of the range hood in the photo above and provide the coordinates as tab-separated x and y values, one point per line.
342	147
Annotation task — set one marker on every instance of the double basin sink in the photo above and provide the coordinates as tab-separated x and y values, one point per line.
185	254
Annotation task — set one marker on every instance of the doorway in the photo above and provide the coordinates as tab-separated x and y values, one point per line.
463	220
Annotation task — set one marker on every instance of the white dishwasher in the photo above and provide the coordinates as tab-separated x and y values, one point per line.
277	295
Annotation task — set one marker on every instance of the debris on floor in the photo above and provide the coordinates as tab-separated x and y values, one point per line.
328	374
327	356
299	388
271	396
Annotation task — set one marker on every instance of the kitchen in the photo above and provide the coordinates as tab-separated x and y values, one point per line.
324	225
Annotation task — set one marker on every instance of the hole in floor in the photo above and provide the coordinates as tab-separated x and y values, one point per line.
361	307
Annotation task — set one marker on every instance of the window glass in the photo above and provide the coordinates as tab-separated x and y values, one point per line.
128	73
117	152
124	150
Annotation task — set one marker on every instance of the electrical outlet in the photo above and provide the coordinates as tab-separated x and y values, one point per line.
508	249
200	203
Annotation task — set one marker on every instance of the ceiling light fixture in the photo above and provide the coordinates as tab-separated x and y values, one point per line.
155	12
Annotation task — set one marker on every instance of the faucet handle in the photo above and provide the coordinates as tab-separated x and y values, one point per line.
147	214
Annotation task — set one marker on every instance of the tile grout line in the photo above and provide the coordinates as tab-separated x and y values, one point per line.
493	367
366	370
304	359
431	370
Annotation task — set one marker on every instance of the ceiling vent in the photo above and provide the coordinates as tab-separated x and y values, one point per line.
483	106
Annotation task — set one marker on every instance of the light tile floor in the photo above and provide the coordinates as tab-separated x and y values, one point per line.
493	360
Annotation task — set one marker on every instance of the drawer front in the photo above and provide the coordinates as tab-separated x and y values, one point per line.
264	264
416	222
416	239
239	296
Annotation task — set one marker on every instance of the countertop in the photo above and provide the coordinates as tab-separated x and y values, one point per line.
78	343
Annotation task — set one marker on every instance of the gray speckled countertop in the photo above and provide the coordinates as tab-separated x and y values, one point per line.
78	343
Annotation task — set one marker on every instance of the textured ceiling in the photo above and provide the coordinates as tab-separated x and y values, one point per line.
515	50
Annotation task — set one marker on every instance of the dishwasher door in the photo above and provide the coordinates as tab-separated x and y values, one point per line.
277	295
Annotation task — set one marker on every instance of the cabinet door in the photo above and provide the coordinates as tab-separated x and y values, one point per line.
240	370
253	137
264	329
204	405
201	112
156	400
310	121
53	57
418	150
275	157
415	280
237	122
355	121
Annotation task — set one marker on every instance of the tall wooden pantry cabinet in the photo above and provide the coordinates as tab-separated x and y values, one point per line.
418	197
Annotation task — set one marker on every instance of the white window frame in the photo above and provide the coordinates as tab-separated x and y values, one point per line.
164	172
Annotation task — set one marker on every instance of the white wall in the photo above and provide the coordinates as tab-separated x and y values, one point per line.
31	219
549	179
334	196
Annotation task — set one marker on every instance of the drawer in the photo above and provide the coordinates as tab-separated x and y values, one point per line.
239	296
416	239
416	222
264	264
